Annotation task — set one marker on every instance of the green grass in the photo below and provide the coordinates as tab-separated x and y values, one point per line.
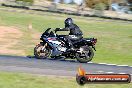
114	38
19	80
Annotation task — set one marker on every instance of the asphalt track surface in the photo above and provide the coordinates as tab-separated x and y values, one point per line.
56	67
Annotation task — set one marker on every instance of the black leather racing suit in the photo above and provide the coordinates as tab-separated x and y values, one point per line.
75	31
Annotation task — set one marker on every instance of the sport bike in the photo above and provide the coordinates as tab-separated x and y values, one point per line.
54	46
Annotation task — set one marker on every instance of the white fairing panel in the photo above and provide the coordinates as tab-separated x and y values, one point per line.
55	42
58	48
63	49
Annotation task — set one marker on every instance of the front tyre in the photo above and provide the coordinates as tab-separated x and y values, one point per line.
42	51
86	55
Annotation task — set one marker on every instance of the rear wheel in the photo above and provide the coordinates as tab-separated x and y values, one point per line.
86	55
42	51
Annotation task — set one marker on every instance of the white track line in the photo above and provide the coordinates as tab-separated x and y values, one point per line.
90	62
100	71
109	72
110	64
115	65
122	65
122	73
103	63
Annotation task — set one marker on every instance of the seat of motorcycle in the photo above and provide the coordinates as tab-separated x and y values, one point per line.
76	40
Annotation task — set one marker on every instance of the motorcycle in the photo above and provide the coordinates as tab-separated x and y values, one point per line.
53	46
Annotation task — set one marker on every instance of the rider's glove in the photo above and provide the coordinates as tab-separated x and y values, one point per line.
57	29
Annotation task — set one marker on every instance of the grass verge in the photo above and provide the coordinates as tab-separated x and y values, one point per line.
19	80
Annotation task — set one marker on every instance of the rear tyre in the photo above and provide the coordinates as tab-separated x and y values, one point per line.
42	54
86	56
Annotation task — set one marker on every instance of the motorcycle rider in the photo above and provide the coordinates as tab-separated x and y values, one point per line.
75	32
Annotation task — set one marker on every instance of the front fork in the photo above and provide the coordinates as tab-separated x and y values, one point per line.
42	49
44	46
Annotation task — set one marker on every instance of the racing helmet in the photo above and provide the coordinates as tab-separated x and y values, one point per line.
68	22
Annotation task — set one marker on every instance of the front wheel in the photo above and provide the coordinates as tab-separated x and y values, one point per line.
86	55
42	51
